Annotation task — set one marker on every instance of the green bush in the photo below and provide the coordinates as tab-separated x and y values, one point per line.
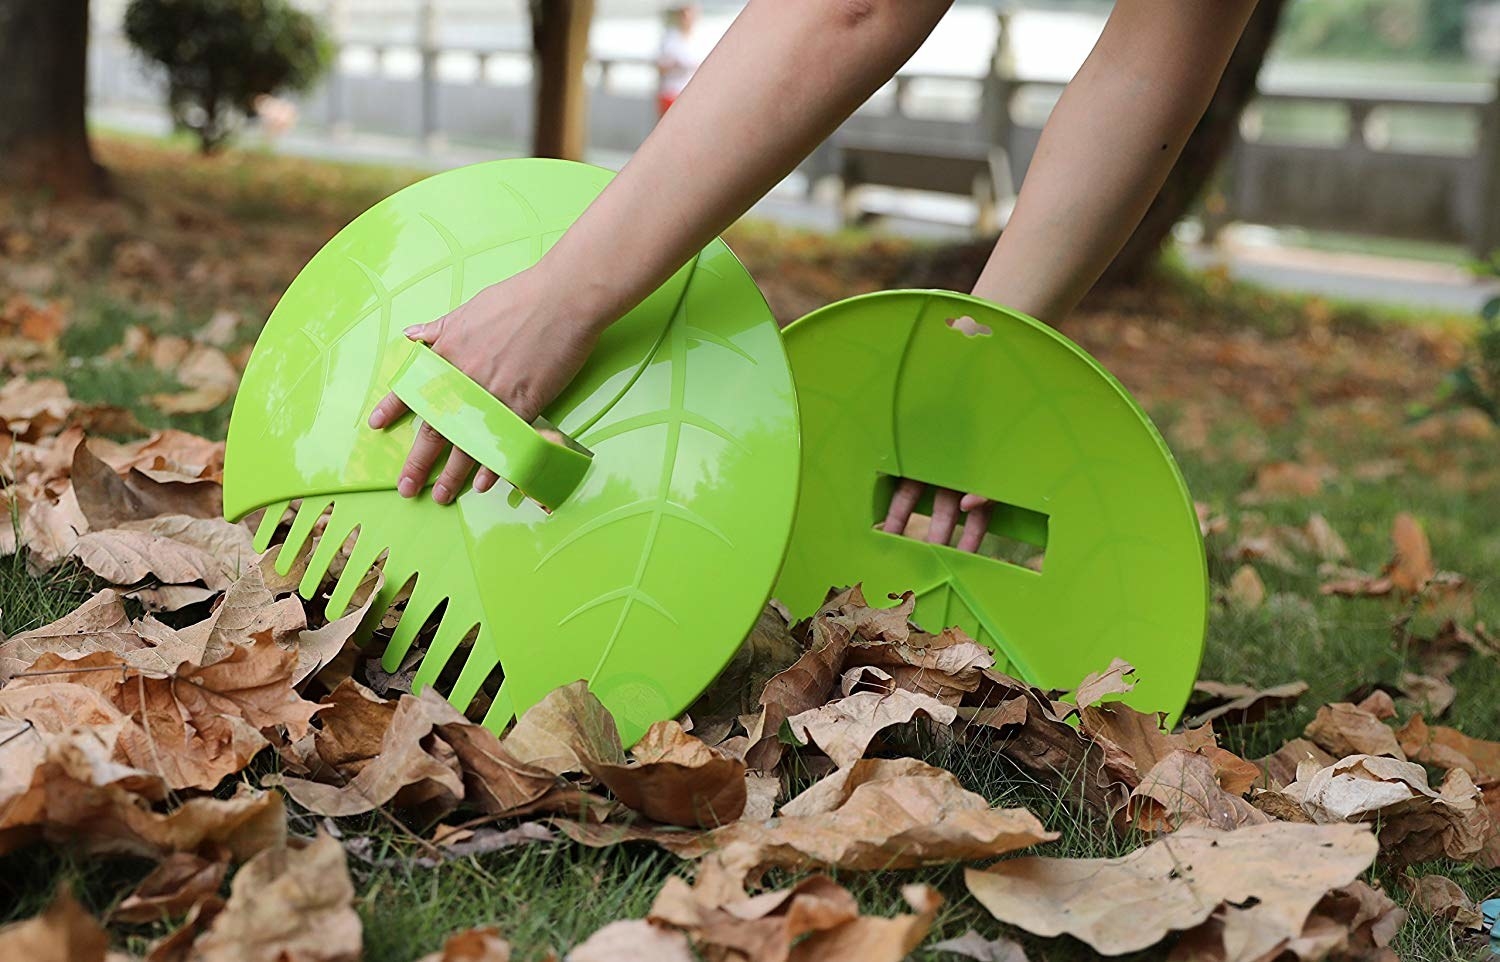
1418	29
220	55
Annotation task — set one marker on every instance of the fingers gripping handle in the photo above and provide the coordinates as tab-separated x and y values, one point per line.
476	422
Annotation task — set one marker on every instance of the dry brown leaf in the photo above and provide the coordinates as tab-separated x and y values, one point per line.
64	932
498	783
634	939
1343	729
173	549
108	499
1450	748
1280	480
1114	680
768	648
677	779
68	788
287	903
1246	590
207	374
1232	704
99	624
247	609
1440	896
484	944
1264	880
891	817
1044	744
1415	822
1430	694
809	681
972	945
1186	788
192	727
817	919
565	733
182	880
1279	769
1352	923
1133	742
1412	566
844	728
408	769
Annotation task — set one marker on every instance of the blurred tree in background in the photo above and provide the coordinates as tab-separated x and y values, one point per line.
220	55
560	42
1414	29
43	61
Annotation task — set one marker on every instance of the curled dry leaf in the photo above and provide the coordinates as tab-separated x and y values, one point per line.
1415	822
109	499
879	816
1442	897
1114	680
1343	729
287	903
410	767
565	733
816	920
64	932
677	779
1263	881
844	728
1279	769
808	682
181	881
484	944
1450	748
1187	788
171	549
1132	742
68	788
1352	923
99	624
1028	727
192	727
1232	704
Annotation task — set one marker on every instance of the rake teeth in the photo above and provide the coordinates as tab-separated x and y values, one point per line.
269	522
481	661
366	550
424	600
396	577
340	525
308	513
450	633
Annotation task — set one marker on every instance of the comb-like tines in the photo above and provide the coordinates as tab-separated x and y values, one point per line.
426	556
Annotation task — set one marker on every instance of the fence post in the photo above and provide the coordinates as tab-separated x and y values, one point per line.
336	114
427	34
995	108
1487	232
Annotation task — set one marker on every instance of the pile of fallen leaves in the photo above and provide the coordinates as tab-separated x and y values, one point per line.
194	711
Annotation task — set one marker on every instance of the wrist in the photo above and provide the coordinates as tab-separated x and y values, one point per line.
567	297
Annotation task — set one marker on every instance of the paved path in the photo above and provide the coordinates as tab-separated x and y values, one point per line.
1244	253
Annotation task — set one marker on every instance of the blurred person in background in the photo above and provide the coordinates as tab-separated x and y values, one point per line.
678	58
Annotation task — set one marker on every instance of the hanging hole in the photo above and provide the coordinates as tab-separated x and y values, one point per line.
969	327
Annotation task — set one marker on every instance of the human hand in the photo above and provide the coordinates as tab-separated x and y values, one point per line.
947	504
517	340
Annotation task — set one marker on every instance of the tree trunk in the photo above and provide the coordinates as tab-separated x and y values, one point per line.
43	88
1210	142
560	39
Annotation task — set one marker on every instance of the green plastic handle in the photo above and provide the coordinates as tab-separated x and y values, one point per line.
491	433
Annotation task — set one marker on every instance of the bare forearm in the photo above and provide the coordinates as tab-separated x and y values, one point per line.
1108	147
784	76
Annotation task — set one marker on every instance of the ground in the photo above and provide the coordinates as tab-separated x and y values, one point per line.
1238	380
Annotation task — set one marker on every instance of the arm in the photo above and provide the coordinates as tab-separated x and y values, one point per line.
778	83
1107	148
1102	158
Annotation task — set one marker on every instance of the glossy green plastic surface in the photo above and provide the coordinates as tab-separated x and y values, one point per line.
887	389
474	420
646	576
